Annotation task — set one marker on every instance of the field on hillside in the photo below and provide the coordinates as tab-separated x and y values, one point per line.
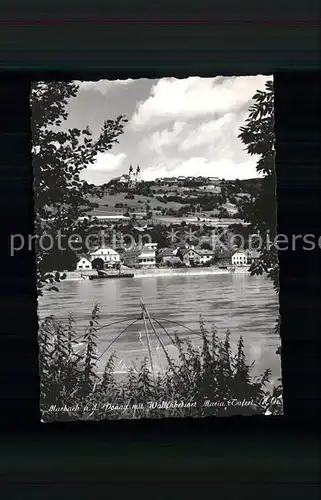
112	200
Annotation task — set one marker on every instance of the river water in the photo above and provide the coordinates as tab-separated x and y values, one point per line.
246	305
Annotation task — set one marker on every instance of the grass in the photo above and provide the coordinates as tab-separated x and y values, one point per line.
206	381
111	200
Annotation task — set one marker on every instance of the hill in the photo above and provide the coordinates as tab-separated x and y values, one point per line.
122	201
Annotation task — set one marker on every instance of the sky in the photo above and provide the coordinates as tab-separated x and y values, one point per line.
175	126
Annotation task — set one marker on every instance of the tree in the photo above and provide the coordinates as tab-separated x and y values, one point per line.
223	213
206	245
58	260
98	263
260	209
59	156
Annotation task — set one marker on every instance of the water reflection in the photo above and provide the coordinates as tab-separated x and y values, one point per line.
243	304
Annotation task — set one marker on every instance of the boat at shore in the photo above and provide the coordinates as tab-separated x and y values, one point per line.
239	269
110	275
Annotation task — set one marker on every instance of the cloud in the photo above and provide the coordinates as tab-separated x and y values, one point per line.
103	86
182	127
180	100
224	168
106	166
217	138
163	138
208	132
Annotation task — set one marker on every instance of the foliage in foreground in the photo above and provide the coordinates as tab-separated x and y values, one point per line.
59	156
71	389
260	208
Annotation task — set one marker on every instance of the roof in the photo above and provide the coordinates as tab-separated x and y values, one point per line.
186	250
98	249
83	257
140	224
166	252
129	254
147	251
120	177
205	251
242	252
254	254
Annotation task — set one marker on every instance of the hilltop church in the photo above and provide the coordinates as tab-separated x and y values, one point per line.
130	180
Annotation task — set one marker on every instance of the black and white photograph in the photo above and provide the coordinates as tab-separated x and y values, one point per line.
156	248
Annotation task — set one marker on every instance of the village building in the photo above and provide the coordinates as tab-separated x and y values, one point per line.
140	258
213	180
205	255
131	180
252	255
108	255
169	181
122	180
130	258
141	228
84	264
168	256
147	257
211	188
190	256
181	179
106	218
151	246
239	259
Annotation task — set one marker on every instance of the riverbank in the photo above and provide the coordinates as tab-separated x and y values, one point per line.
156	271
78	275
191	271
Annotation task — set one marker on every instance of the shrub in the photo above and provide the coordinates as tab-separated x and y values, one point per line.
200	382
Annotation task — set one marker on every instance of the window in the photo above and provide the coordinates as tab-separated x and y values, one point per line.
79	267
87	267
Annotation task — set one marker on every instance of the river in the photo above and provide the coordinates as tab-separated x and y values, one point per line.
246	305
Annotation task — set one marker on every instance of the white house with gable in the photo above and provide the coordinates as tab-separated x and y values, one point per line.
147	257
84	264
239	259
108	255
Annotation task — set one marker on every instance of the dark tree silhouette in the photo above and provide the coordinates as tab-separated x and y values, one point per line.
260	209
59	156
97	263
58	260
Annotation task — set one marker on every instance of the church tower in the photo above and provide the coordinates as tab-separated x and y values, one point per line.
138	178
131	176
